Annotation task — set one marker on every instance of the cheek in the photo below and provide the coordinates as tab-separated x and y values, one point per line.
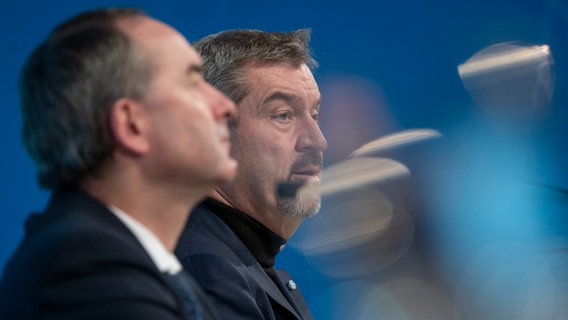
263	150
198	119
276	158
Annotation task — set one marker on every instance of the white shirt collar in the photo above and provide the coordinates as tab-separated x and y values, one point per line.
163	259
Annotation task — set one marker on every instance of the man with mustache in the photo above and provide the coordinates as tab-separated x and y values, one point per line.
231	240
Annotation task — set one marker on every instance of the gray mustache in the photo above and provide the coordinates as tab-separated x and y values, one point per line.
307	159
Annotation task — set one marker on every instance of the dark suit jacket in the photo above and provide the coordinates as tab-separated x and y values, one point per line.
230	275
79	261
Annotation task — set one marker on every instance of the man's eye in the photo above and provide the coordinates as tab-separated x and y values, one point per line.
315	116
283	116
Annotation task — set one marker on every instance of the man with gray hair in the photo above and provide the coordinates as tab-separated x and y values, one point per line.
233	237
102	97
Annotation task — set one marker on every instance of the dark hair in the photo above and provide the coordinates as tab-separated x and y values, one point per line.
225	55
67	87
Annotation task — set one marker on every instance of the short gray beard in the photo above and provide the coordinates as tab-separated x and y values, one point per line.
300	208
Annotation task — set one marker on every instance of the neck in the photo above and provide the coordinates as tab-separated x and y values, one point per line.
162	210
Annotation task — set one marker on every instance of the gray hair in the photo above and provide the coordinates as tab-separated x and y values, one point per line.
225	55
67	87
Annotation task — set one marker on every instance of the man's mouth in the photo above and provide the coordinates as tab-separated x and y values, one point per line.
306	169
306	173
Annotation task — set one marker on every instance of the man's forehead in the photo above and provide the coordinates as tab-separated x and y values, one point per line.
263	68
129	25
266	77
157	38
145	30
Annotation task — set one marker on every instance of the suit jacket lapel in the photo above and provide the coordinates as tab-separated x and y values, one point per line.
271	289
294	295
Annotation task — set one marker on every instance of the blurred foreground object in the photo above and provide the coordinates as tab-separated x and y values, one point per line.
510	81
355	173
395	140
365	225
362	169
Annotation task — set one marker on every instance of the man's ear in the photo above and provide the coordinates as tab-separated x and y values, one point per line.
129	122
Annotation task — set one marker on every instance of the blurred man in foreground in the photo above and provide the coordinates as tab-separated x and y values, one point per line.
232	238
129	137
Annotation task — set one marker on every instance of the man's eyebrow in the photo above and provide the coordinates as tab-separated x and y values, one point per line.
279	95
288	98
317	104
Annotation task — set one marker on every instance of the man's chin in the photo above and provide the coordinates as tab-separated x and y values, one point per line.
313	207
300	207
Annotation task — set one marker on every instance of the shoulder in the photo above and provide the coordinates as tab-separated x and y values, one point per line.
77	259
224	267
207	234
232	287
75	226
76	239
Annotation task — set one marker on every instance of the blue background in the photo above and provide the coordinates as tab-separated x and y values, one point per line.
403	53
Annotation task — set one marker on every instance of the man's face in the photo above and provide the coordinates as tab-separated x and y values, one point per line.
186	117
277	140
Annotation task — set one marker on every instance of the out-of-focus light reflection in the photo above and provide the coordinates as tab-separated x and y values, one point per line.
355	173
356	234
415	299
402	299
510	81
504	58
513	280
395	140
369	214
355	111
345	300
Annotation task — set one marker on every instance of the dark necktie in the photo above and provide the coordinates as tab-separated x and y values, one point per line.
185	291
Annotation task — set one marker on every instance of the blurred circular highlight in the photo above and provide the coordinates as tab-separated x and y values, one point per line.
356	234
510	81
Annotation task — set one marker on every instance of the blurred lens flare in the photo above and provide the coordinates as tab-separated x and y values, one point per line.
414	298
510	81
356	234
395	140
350	299
369	214
512	280
355	173
402	299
